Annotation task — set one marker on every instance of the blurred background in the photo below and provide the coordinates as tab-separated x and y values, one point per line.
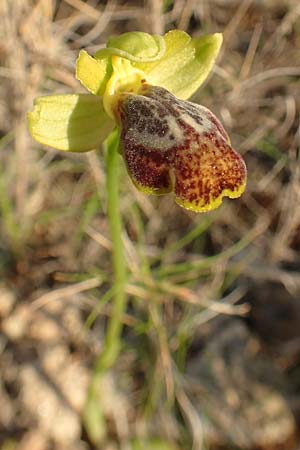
211	339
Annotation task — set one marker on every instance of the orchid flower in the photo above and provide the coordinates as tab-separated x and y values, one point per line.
140	84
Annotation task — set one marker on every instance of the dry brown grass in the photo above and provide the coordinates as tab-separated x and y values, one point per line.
54	238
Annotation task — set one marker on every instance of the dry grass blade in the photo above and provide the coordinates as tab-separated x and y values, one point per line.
67	292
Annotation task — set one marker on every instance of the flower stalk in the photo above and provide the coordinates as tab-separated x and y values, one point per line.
112	340
93	415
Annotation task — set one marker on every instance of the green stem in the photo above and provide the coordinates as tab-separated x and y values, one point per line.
93	413
112	340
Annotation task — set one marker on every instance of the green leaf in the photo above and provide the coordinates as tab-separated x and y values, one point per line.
75	123
93	73
135	46
185	64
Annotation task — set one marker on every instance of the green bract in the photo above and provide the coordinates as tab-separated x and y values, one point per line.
80	122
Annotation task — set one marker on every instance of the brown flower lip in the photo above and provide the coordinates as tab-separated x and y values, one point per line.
174	145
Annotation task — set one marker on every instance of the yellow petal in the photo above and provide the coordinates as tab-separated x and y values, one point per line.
75	123
186	63
93	73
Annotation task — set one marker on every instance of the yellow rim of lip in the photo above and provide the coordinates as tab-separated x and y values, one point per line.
151	191
214	203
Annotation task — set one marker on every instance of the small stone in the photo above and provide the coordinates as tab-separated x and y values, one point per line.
48	407
33	440
69	375
15	325
7	300
44	329
7	412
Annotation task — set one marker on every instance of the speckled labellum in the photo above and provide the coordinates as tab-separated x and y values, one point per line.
170	144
